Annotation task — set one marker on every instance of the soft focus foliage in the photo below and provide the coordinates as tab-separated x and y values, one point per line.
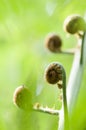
23	58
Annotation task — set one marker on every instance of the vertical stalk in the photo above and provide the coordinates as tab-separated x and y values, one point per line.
55	74
66	122
64	119
82	50
76	76
74	83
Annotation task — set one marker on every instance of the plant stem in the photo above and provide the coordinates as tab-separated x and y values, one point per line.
64	111
76	76
74	82
66	122
46	110
82	50
69	51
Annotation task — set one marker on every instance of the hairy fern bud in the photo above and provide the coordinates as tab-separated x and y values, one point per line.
22	98
54	74
74	23
53	42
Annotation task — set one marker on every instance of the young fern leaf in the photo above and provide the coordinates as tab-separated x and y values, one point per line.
53	74
74	24
22	98
74	83
53	43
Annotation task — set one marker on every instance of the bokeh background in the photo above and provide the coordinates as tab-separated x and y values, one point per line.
24	25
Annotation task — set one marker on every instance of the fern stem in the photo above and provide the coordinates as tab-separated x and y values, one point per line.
74	82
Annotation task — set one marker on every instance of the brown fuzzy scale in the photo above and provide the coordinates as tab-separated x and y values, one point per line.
59	85
53	73
53	43
37	105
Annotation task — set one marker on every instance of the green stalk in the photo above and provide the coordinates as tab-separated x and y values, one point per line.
76	75
55	73
74	83
64	119
82	50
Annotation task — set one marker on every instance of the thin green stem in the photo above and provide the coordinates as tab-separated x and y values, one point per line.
82	48
69	51
46	110
76	71
64	119
74	82
66	122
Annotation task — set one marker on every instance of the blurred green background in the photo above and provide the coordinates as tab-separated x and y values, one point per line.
24	25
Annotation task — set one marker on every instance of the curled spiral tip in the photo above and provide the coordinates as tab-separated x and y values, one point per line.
22	98
54	74
53	42
74	23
